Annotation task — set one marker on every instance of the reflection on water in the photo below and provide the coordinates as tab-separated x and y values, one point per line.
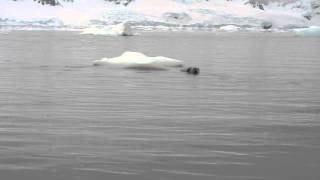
252	113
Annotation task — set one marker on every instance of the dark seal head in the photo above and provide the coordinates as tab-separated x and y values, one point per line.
192	70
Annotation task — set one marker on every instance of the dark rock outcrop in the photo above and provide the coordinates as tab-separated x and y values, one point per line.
266	25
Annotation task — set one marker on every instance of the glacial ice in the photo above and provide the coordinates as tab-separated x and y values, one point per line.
91	14
136	60
122	29
312	31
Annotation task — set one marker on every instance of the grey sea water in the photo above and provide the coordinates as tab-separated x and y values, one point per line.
252	113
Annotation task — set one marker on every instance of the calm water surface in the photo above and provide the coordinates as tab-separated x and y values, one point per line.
252	113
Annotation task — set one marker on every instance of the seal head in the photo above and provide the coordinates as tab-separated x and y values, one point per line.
192	70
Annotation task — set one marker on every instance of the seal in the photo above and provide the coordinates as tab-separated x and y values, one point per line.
191	70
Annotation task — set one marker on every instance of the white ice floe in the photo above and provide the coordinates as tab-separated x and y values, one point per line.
313	31
136	60
229	28
122	29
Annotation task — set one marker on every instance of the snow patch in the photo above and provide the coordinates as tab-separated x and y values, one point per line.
177	18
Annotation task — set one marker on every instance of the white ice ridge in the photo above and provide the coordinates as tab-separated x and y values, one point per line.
122	29
136	60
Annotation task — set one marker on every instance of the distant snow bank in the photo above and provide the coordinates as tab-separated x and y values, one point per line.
92	14
136	60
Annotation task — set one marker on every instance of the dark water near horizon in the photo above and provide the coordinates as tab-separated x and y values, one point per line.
252	113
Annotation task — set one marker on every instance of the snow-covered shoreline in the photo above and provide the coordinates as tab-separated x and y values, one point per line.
155	15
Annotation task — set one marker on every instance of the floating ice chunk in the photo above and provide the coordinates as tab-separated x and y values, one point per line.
122	29
310	31
138	60
230	28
